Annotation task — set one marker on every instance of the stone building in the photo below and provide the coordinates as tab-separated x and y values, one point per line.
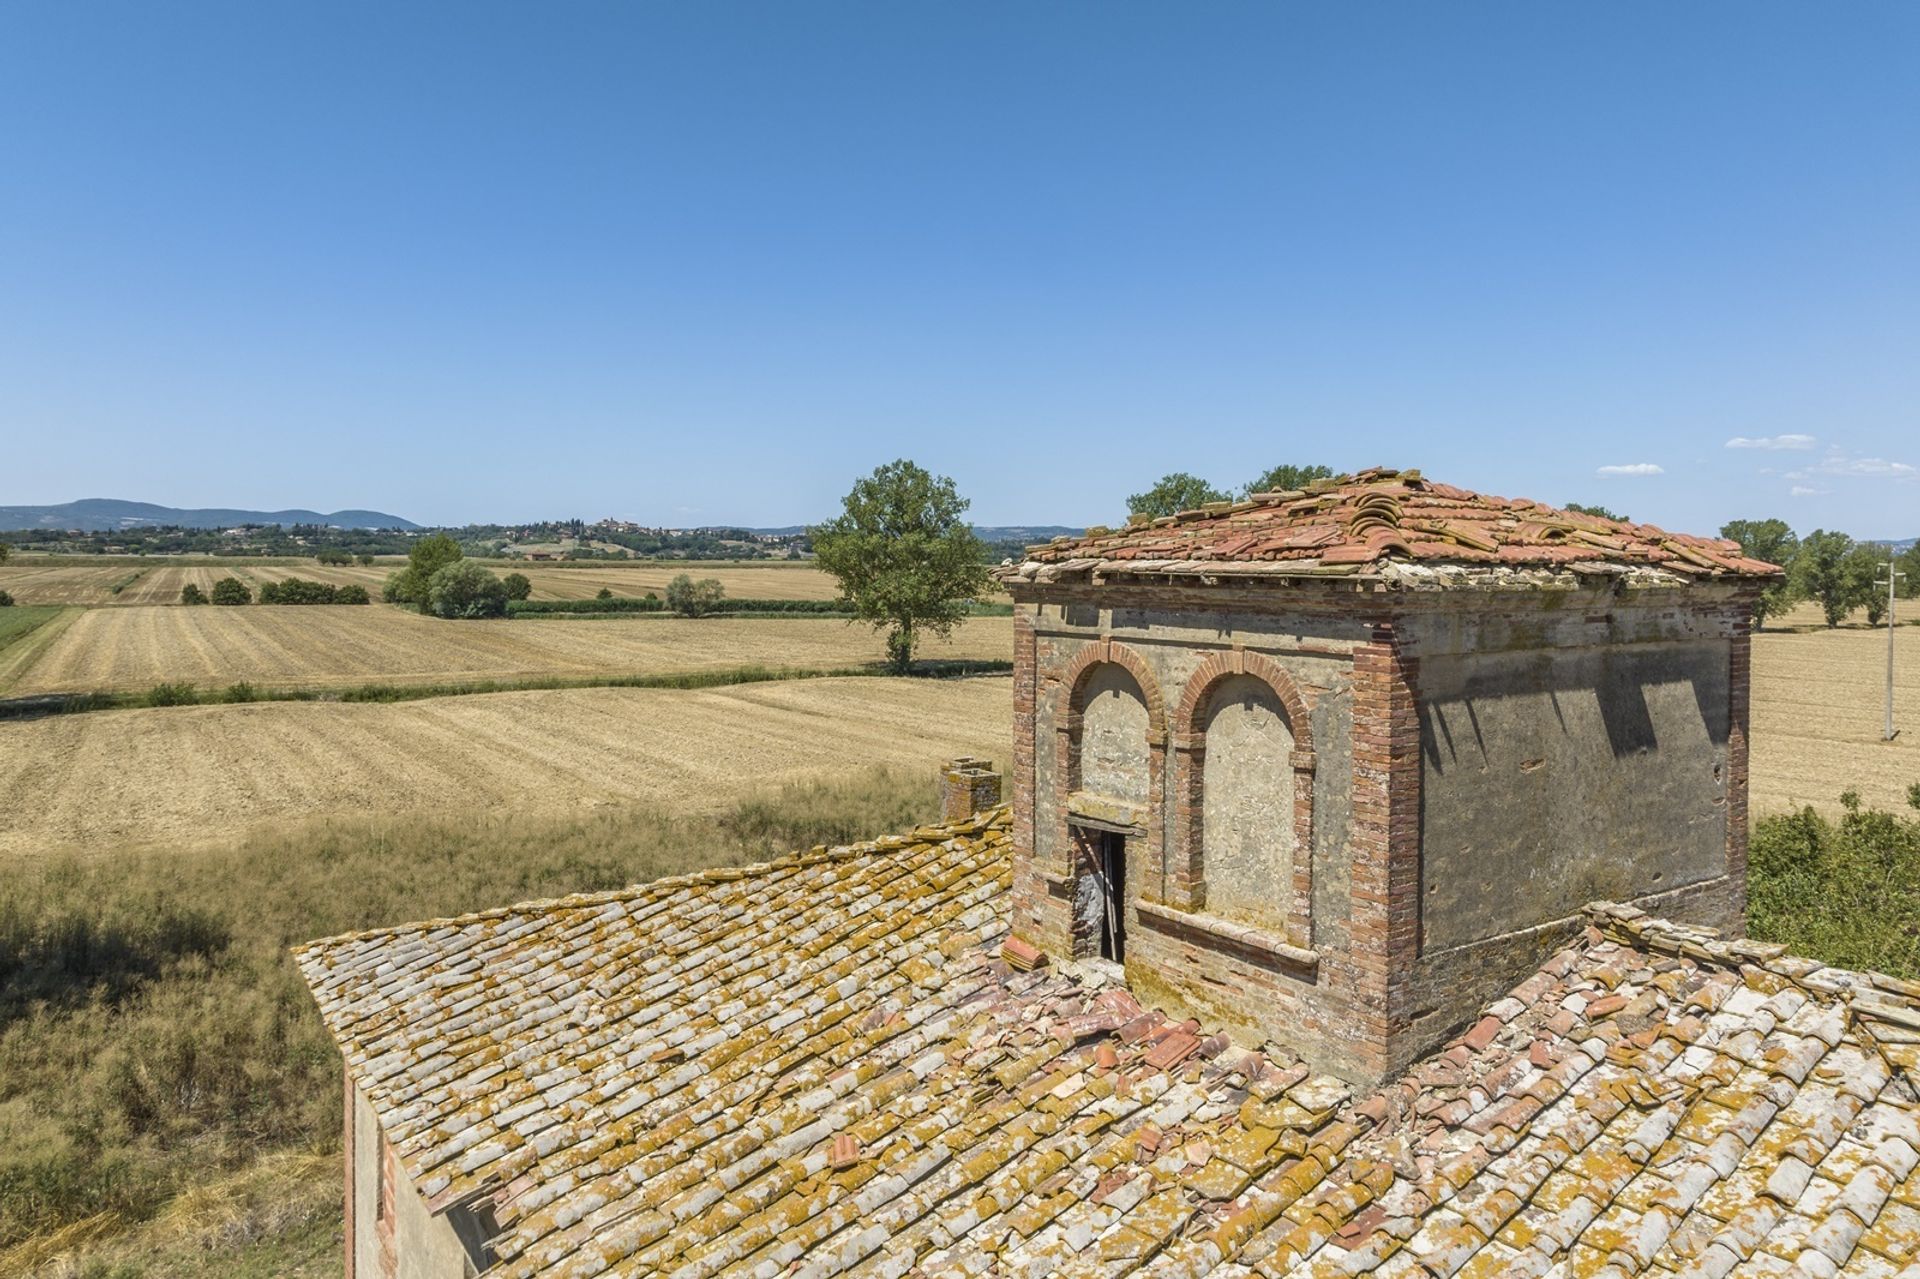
1333	767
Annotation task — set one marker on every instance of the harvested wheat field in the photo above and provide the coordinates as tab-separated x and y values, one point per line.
743	579
64	583
1818	711
190	774
321	646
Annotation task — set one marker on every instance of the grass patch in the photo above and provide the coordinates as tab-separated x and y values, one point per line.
156	1040
22	620
1844	892
180	694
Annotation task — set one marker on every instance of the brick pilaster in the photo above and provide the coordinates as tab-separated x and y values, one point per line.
1385	838
1739	693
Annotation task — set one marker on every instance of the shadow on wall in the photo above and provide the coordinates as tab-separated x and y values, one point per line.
1623	686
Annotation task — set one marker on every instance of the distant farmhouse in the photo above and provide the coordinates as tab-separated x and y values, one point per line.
1284	960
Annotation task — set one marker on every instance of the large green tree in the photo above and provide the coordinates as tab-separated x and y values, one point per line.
1868	579
412	584
1820	573
1287	477
1174	493
1774	542
5	551
1910	565
905	559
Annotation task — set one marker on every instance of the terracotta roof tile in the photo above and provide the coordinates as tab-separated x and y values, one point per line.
823	1065
1379	516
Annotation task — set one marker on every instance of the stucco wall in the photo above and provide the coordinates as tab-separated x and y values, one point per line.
1247	790
1113	740
1550	779
411	1243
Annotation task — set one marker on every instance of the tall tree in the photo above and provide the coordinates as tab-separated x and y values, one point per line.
905	559
1865	578
1286	477
1910	565
5	551
1820	573
413	584
1172	494
1774	542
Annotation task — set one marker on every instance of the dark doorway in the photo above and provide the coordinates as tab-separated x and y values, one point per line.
1110	873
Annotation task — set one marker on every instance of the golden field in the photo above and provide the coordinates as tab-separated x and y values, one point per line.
90	580
189	774
317	647
1818	714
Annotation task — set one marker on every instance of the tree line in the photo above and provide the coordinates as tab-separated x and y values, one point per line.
1825	567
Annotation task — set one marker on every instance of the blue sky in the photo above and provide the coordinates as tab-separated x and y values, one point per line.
706	262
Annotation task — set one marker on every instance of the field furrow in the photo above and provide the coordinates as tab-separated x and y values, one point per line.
191	774
319	646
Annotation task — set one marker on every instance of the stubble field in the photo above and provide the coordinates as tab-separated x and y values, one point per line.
1819	710
91	580
190	774
318	647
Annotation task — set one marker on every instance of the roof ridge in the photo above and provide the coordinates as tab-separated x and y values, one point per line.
1894	1000
799	859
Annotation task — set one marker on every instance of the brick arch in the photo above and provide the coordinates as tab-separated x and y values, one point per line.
1187	854
1222	666
1100	653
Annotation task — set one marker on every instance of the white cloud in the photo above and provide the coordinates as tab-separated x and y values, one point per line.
1797	443
1838	463
1632	468
1802	490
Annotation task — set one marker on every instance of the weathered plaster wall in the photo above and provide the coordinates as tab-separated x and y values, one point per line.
1247	818
1113	741
407	1242
1554	778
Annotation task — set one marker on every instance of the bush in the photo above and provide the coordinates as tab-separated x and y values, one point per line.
172	695
336	558
465	589
192	594
352	595
6	599
298	590
1846	892
241	692
689	598
604	593
366	560
414	583
618	604
518	585
231	590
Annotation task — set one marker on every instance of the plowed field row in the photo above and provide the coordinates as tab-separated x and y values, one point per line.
311	647
201	773
1818	716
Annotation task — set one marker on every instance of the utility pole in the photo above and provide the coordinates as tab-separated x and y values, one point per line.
1892	577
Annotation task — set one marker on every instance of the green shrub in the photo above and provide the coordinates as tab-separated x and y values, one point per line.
192	594
1845	892
241	692
172	695
298	590
604	593
366	561
690	598
6	599
231	590
519	586
352	595
335	558
465	589
618	604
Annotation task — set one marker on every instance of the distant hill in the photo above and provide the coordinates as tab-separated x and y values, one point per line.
106	514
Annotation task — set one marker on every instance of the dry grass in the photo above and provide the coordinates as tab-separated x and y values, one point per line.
750	579
136	648
1818	712
191	773
79	583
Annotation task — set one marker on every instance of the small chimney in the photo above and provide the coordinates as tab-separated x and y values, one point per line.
967	786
